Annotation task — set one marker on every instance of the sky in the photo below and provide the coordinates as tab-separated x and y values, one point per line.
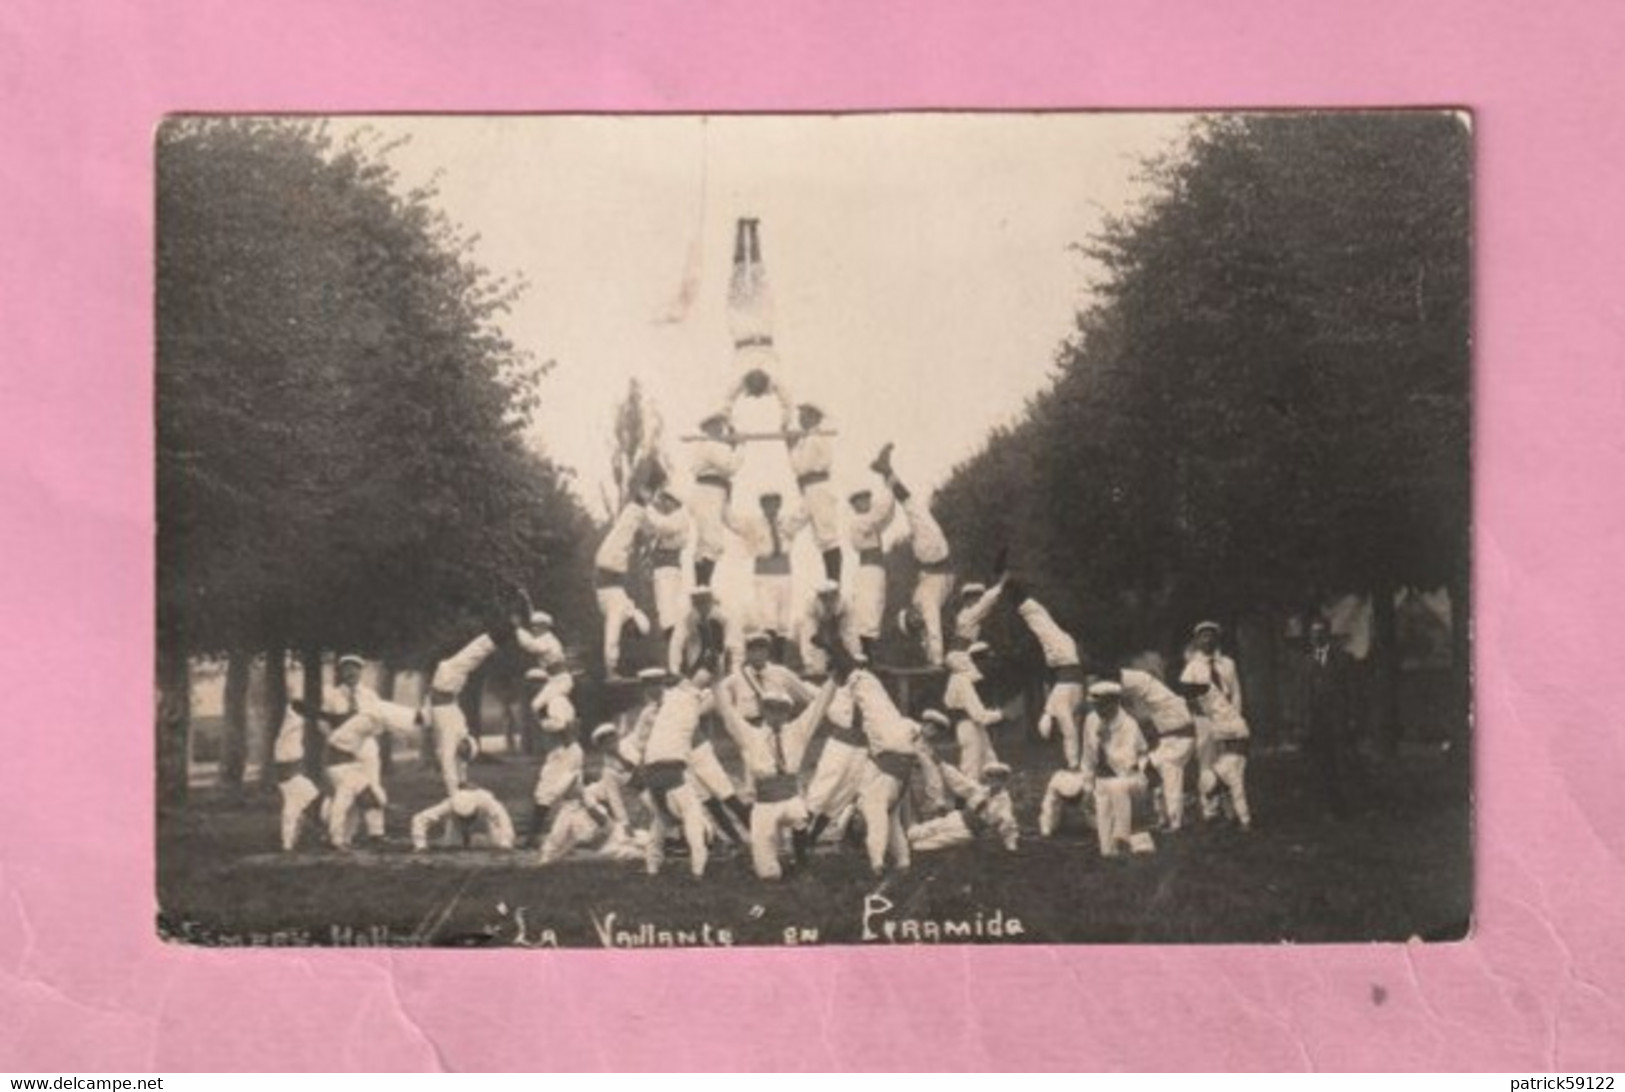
921	264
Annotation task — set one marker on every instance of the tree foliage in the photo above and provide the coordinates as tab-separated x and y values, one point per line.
1268	400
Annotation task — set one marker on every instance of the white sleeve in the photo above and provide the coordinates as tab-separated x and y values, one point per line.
961	786
971	618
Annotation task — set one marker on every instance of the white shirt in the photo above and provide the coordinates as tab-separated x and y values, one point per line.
930	544
713	457
615	552
888	730
995	809
689	638
1060	650
865	528
671	734
1166	710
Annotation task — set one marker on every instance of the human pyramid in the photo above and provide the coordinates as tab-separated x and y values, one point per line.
1123	733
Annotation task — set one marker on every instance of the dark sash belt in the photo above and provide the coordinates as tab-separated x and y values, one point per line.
873	555
1187	732
551	741
1234	746
607	578
776	565
287	771
812	477
720	481
776	789
442	697
755	341
941	568
665	559
1069	673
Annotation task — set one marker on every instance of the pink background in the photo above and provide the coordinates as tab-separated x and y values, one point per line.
84	984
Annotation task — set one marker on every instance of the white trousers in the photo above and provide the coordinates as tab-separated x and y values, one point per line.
685	808
837	779
450	729
670	600
768	822
573	827
1170	758
943	832
1065	787
823	514
298	793
1115	798
880	803
931	593
706	774
771	608
617	608
868	600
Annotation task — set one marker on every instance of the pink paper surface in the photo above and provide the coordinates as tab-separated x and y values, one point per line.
86	985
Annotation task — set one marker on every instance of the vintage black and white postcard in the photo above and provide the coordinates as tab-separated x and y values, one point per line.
653	530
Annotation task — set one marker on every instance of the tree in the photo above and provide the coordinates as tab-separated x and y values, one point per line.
340	417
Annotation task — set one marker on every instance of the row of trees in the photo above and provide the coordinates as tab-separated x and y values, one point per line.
340	418
1269	402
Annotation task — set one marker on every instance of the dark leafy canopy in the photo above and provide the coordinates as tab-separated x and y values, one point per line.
1269	402
339	453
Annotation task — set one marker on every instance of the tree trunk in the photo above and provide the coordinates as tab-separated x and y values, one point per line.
276	708
1385	626
310	662
234	735
174	725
